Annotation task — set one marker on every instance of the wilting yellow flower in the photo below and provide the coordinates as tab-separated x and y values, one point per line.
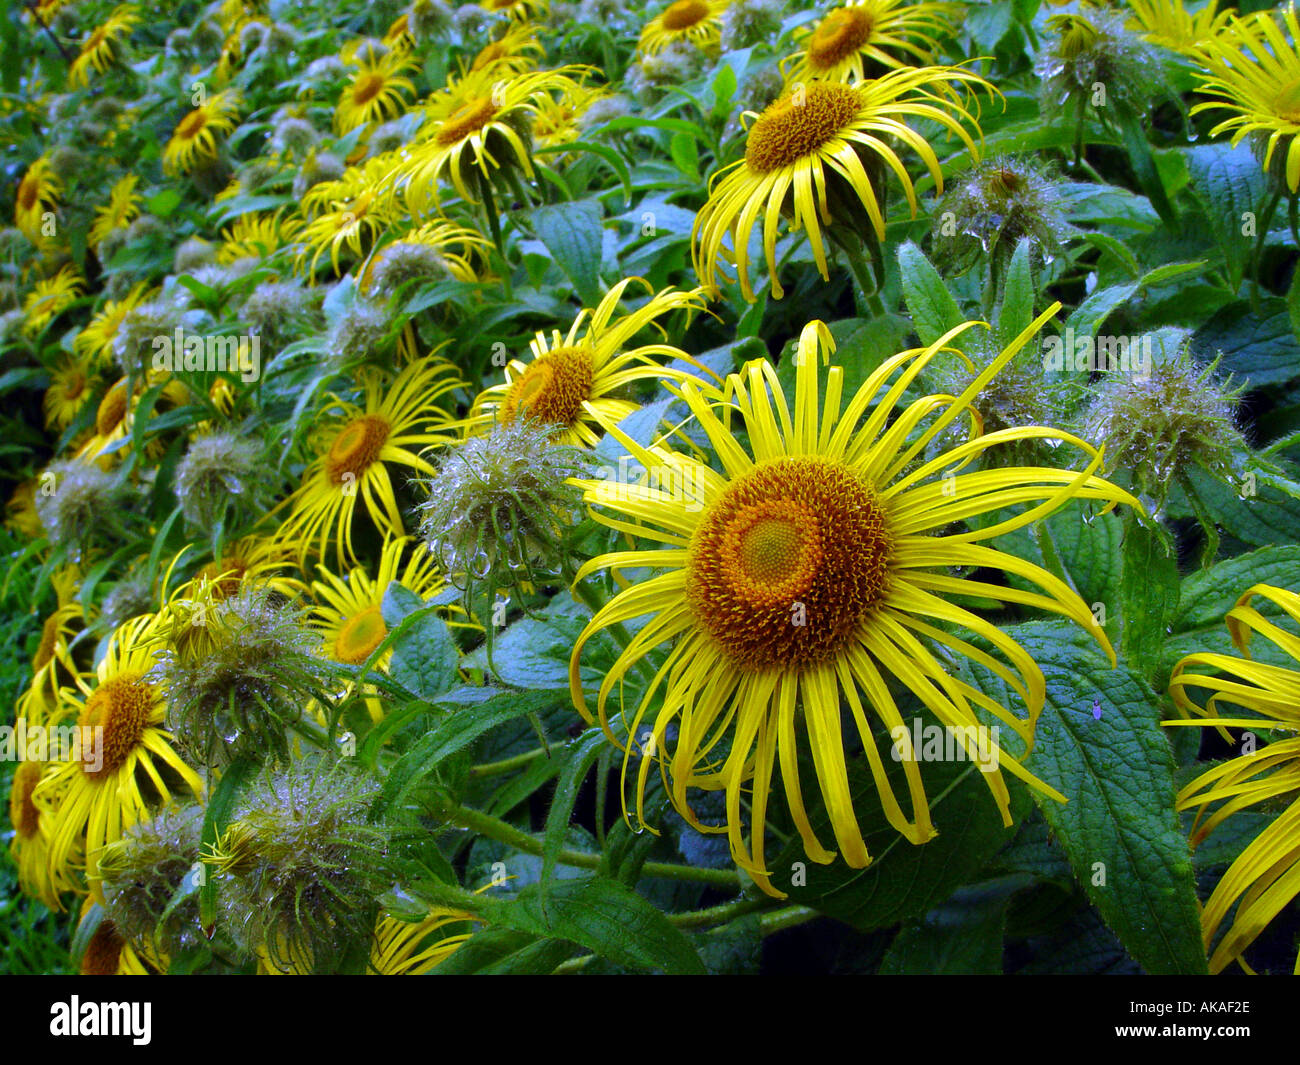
571	381
94	343
360	205
1254	71
811	573
30	846
375	91
122	207
476	127
850	40
52	664
412	948
38	193
100	49
129	766
357	447
509	54
50	298
818	152
398	35
696	22
195	137
1169	24
1265	877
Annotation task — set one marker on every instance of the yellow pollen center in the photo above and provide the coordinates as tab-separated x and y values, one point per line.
1287	104
684	14
838	36
191	125
357	447
23	814
799	123
112	409
367	88
552	389
234	569
119	711
103	952
786	564
469	118
359	636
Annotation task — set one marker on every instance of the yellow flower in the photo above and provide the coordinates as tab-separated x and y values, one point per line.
1169	24
248	561
557	121
71	385
374	94
398	36
818	146
195	137
571	381
358	445
851	40
412	948
123	206
100	49
128	768
94	343
521	10
1253	70
838	523
360	206
50	298
38	193
453	243
52	665
115	419
30	846
1265	877
696	22
509	53
255	236
476	127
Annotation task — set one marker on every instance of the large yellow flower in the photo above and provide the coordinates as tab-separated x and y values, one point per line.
375	92
1169	24
50	298
412	948
817	155
812	574
100	48
695	22
476	127
1253	70
1265	877
94	343
71	385
129	768
509	54
851	40
256	236
38	193
358	445
572	380
30	846
357	206
195	137
122	207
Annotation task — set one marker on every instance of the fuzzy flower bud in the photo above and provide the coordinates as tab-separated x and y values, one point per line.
79	505
749	22
1093	53
216	467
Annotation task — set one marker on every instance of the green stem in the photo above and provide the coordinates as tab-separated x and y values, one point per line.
791	916
494	828
507	765
868	297
1266	220
728	911
494	224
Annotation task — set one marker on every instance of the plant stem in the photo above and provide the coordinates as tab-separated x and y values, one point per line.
720	914
507	765
1266	220
791	916
494	224
494	828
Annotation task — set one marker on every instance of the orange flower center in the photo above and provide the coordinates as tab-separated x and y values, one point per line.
359	636
49	640
112	409
799	123
29	192
356	447
191	125
367	89
838	36
231	571
684	14
103	952
552	389
23	814
785	565
469	118
119	710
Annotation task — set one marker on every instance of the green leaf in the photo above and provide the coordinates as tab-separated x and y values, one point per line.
579	758
1017	309
1231	185
572	234
163	203
1091	314
1259	347
606	918
1209	594
425	657
503	951
1118	828
929	302
1149	593
963	937
1144	164
685	150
